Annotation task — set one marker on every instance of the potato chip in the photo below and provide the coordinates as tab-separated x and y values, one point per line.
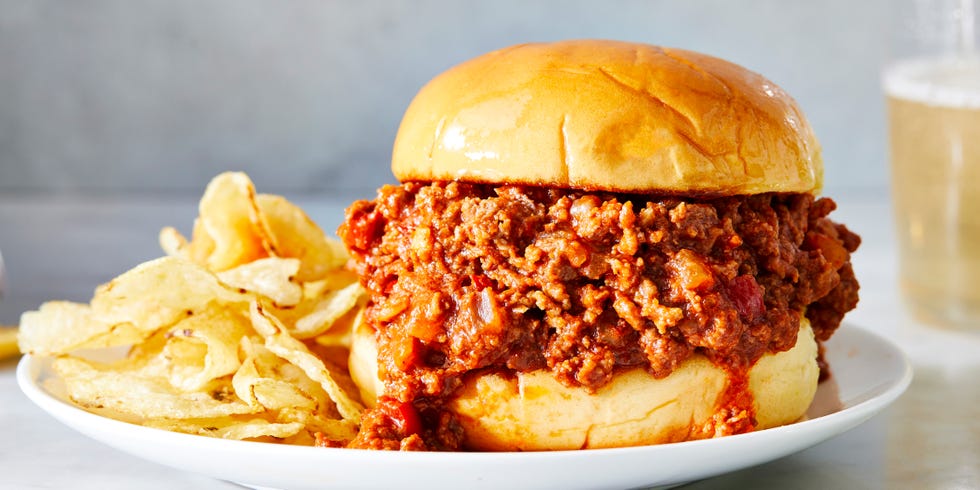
201	246
313	293
229	428
185	360
271	277
339	334
294	234
211	328
334	429
280	343
60	327
197	250
173	243
121	388
270	393
204	347
159	293
327	311
266	380
229	215
281	386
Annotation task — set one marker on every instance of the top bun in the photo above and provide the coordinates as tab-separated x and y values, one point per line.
608	115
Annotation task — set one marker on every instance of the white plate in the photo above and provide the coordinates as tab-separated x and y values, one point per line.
870	373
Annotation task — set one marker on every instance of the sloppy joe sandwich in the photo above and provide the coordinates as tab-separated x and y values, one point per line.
595	244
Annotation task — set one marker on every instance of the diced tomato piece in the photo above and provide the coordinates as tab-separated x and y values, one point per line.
747	296
402	414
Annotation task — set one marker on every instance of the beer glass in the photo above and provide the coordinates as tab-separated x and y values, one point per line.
933	99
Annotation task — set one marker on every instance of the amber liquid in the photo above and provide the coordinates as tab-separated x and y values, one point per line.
935	154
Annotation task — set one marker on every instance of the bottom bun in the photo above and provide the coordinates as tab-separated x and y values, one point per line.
533	411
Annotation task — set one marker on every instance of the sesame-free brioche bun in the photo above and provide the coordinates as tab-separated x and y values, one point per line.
608	115
533	411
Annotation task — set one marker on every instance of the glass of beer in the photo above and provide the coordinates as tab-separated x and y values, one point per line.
933	97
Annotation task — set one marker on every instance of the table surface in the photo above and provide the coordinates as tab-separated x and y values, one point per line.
61	248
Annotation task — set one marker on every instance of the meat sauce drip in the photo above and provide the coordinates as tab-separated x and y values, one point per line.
468	276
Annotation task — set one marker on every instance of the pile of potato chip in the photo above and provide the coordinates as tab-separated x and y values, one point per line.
240	333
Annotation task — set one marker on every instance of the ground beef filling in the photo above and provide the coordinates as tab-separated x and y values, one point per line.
465	277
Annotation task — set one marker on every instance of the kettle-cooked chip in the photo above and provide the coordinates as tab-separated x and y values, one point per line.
173	243
272	277
267	380
204	347
230	217
278	341
59	327
201	245
333	429
229	427
327	311
123	388
159	293
212	327
294	234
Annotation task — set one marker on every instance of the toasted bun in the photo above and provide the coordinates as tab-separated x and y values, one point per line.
606	115
533	411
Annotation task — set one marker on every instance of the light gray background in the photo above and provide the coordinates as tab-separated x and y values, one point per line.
123	97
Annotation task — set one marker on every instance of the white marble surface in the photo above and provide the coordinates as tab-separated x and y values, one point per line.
930	438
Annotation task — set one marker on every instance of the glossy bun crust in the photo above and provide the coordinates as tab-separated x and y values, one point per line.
533	411
607	115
